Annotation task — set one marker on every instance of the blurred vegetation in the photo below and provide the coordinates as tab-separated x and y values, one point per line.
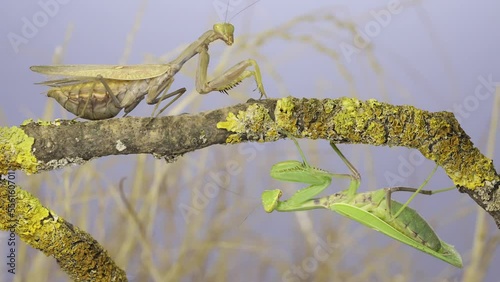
157	228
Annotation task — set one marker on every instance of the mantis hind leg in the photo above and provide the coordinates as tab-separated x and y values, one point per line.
86	103
153	99
109	91
415	191
177	93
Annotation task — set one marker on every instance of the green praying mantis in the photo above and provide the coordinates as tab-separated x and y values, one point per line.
98	92
374	209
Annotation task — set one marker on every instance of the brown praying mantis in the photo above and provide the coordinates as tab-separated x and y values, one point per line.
98	92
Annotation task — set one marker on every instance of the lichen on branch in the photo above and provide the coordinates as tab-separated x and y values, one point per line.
438	136
16	151
76	252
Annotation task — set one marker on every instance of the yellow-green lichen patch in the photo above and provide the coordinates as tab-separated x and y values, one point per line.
47	123
329	105
27	121
438	137
15	151
374	116
396	125
439	128
32	219
351	120
233	139
306	118
255	123
26	215
471	170
415	130
42	122
376	133
232	123
284	114
314	120
76	252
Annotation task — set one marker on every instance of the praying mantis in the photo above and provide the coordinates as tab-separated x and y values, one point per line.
374	209
98	92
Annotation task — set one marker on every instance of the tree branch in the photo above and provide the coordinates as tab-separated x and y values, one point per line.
438	136
76	252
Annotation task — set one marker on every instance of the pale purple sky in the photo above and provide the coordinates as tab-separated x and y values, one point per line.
434	55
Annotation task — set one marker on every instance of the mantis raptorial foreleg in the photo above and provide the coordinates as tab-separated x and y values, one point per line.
229	79
318	179
374	209
124	87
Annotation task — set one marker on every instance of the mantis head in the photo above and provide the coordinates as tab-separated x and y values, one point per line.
270	199
225	32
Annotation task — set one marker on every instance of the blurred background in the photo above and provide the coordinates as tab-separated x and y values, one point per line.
198	220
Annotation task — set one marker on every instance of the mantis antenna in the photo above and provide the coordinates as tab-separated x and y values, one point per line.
227	9
255	2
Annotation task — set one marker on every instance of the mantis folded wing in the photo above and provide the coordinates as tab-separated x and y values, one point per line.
374	209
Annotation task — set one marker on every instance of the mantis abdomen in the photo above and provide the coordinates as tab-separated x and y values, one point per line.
91	100
410	223
370	208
